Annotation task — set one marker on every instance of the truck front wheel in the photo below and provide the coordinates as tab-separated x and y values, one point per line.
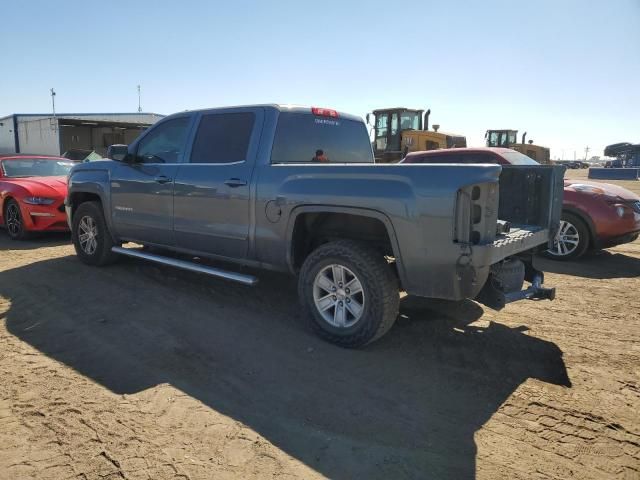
349	292
90	235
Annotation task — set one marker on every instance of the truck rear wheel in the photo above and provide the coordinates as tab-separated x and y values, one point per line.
90	235
349	292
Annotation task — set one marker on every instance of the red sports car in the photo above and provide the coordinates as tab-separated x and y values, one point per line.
594	215
32	191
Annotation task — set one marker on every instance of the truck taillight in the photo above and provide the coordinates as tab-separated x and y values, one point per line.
476	214
324	112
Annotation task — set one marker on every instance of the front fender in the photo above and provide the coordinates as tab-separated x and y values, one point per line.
93	182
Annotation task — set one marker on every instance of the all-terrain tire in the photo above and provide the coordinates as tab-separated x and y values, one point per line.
577	226
379	286
91	213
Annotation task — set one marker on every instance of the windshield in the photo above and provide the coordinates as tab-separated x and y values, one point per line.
409	121
301	137
517	158
502	138
36	167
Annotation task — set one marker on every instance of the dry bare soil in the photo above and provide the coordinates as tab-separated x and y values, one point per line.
141	372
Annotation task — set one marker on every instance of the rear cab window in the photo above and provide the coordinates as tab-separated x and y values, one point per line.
307	138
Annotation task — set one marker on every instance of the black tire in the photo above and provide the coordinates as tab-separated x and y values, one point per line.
577	226
380	292
16	229
510	274
102	254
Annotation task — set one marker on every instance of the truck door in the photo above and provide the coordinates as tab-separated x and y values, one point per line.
142	188
213	187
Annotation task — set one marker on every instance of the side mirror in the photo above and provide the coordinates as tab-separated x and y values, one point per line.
368	119
117	152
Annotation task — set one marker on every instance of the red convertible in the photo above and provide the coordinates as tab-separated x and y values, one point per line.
594	215
32	191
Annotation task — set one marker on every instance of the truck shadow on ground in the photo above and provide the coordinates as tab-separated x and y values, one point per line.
600	264
405	407
39	240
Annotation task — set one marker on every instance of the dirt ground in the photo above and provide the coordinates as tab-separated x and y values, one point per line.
142	372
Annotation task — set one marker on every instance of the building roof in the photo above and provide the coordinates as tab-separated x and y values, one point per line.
49	114
7	156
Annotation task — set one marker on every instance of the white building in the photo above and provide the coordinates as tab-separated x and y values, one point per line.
46	134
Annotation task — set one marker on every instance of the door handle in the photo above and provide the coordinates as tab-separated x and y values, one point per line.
235	182
162	179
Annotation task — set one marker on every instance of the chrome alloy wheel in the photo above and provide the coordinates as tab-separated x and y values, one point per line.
87	234
566	241
13	220
338	296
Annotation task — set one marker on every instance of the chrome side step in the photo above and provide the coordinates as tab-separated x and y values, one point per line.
185	265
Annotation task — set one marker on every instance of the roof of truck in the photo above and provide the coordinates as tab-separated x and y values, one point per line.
279	107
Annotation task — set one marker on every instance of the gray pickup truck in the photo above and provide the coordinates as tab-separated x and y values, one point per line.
296	189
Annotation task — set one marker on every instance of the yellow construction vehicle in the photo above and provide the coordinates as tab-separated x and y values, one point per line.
398	131
509	139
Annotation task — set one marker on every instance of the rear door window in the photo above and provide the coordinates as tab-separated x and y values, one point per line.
223	138
303	138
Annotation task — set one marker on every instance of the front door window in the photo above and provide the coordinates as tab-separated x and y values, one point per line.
165	143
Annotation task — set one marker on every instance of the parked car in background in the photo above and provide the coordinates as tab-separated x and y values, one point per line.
594	215
82	155
32	192
617	163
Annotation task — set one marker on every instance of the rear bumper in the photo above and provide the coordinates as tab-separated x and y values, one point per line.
494	296
522	240
519	239
461	271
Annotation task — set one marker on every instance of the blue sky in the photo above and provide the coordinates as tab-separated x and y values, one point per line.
567	72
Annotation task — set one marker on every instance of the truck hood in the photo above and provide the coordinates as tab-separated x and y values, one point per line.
51	187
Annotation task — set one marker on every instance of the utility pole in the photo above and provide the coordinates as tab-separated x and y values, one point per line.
586	153
139	105
53	102
53	123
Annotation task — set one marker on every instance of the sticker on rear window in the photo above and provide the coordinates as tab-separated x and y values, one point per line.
324	121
